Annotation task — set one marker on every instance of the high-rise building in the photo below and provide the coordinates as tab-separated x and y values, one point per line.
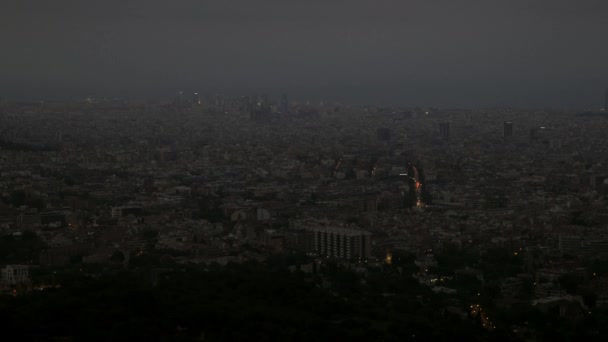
245	104
14	275
178	101
284	104
507	130
342	243
196	100
579	245
383	134
606	100
219	101
300	240
444	129
261	113
264	99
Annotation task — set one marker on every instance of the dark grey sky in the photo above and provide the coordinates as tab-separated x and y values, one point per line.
433	52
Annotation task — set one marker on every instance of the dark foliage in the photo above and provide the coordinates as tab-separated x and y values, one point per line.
237	302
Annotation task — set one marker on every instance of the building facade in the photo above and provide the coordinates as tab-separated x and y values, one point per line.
342	243
507	131
444	130
12	275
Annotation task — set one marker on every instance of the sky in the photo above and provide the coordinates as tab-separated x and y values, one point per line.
467	53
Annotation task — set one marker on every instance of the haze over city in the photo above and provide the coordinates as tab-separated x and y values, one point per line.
540	53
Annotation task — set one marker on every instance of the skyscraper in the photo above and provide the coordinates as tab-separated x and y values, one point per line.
284	104
606	100
507	130
261	112
178	101
444	129
219	102
383	134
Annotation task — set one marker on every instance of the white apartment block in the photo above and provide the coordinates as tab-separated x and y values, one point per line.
15	275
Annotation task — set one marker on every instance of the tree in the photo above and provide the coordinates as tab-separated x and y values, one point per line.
18	198
118	256
590	299
150	234
37	203
569	282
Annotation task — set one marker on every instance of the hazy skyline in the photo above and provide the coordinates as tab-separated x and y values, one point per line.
442	53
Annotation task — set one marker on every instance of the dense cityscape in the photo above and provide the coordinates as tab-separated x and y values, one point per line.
265	170
211	217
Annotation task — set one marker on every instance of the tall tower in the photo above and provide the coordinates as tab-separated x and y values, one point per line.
284	104
444	129
507	129
219	102
178	101
383	134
